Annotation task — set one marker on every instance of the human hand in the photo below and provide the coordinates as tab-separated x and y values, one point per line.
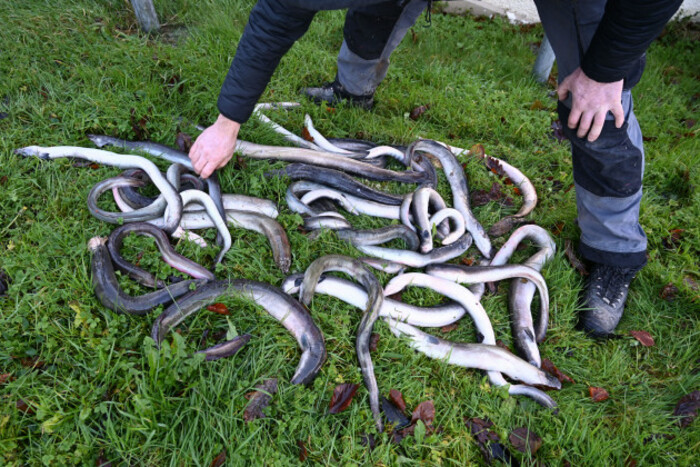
214	147
591	102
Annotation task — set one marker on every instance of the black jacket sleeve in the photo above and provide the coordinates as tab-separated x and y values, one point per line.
272	29
623	35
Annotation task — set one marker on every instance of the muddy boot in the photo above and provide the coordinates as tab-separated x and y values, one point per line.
604	298
333	93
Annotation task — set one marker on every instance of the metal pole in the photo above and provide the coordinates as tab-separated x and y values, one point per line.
146	15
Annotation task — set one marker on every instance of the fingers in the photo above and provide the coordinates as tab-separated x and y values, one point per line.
574	117
597	126
619	114
584	124
563	89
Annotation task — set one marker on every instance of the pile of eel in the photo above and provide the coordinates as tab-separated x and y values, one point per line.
324	175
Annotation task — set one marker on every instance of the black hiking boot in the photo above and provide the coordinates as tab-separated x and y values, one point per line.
333	93
604	298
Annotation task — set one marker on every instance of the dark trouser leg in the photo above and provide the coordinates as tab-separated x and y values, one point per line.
607	172
371	35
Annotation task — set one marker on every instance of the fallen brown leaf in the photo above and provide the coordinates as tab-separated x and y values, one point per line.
468	261
503	226
487	440
557	229
669	292
418	111
394	414
449	327
306	135
425	412
183	142
373	341
557	131
573	259
692	285
303	453
259	399
537	105
219	308
22	406
397	398
687	408
6	377
598	394
525	440
342	397
673	241
643	337
550	368
3	179
477	150
219	460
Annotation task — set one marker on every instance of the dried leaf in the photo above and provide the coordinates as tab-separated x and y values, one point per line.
643	337
557	228
394	414
425	412
219	460
183	142
673	241
6	377
557	131
550	368
32	362
537	105
241	163
501	344
630	462
692	285
342	397
418	111
259	399
449	327
219	308
598	394
525	440
687	408
303	453
24	407
4	282
368	440
306	135
397	398
669	292
503	226
3	180
477	150
573	259
373	341
487	440
494	166
102	461
467	261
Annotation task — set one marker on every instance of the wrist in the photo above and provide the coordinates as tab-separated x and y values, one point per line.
226	124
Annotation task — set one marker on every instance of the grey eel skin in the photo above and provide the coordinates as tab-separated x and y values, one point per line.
357	271
521	308
139	215
225	349
340	181
169	154
169	193
460	190
328	160
523	335
354	295
170	256
418	260
380	235
289	312
267	226
111	295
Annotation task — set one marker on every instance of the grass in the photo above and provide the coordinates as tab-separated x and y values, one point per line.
97	390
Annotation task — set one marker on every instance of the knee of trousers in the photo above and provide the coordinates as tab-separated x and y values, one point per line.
612	165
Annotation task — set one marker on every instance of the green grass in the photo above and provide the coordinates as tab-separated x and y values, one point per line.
75	67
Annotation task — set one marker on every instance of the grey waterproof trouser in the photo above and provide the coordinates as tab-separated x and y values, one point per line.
607	172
